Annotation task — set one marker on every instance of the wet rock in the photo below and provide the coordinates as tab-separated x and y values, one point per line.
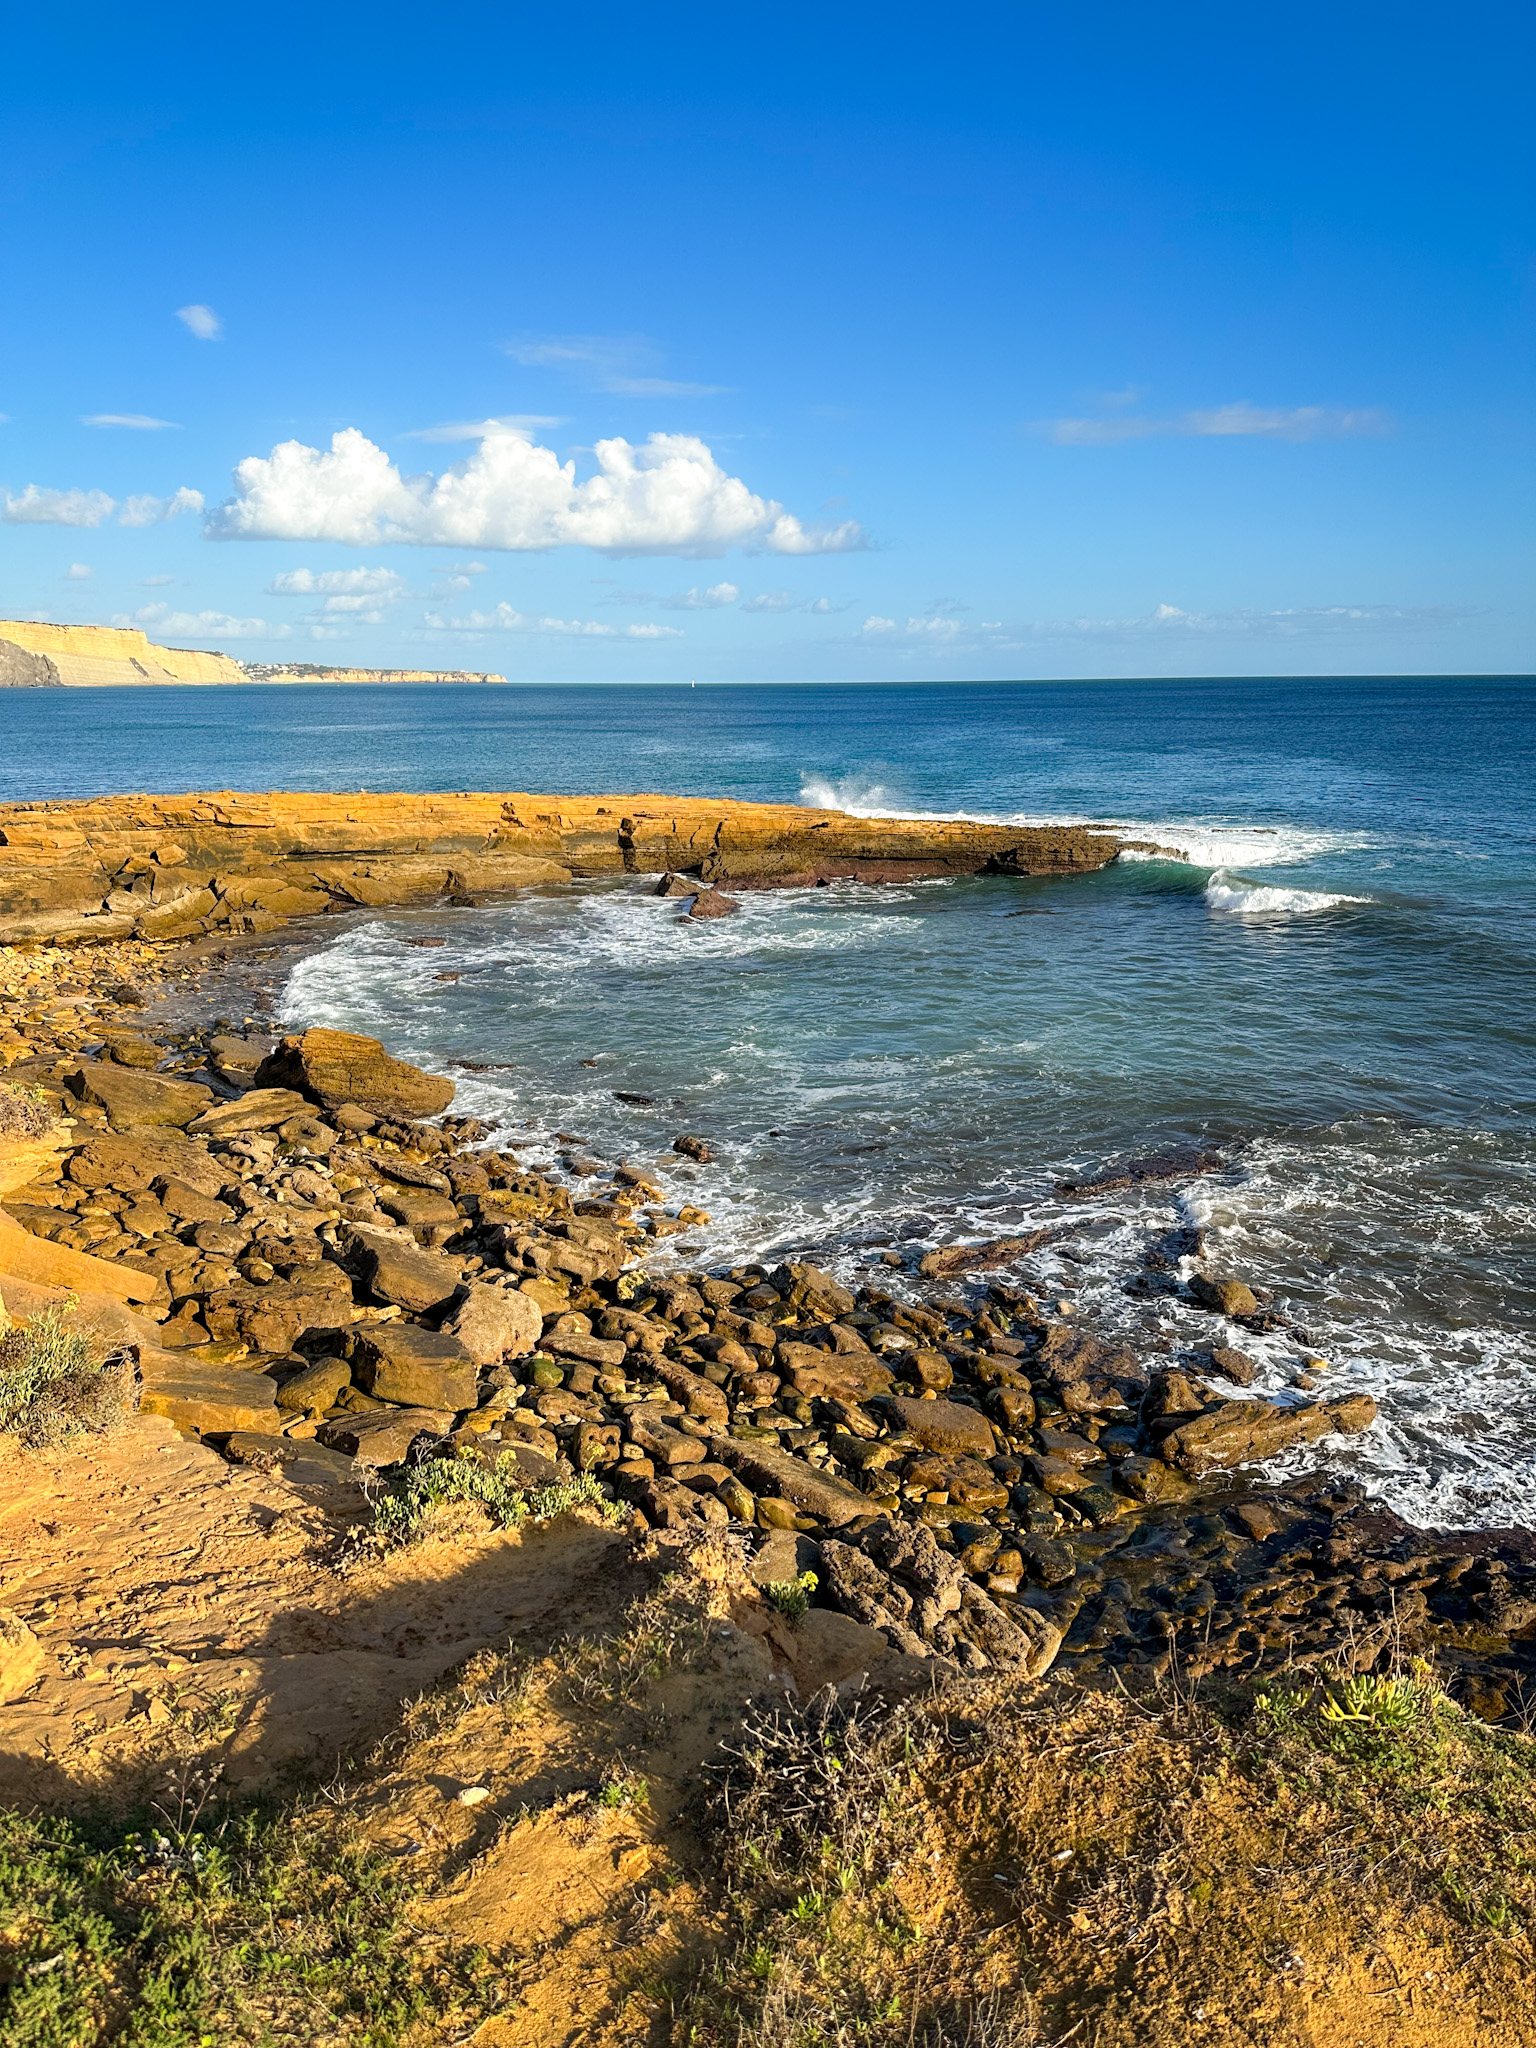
342	1067
978	1258
808	1287
712	903
1150	1479
1240	1431
929	1369
693	1148
675	885
415	1368
1232	1365
1223	1297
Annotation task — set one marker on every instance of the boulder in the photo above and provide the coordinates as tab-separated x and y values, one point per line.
701	1397
1237	1432
315	1389
493	1323
273	1317
1223	1297
133	1164
767	1469
384	1436
711	903
135	1100
675	885
850	1376
336	1067
209	1398
667	1445
413	1368
402	1273
943	1425
262	1109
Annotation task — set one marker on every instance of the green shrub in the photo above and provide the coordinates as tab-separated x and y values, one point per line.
402	1514
55	1383
258	1926
792	1597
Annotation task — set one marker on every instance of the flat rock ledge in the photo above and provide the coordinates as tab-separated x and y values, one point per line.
181	867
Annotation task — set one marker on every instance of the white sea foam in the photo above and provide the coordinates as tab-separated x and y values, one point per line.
1229	892
1202	842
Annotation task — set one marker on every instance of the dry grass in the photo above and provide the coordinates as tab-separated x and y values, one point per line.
1315	1868
55	1383
24	1113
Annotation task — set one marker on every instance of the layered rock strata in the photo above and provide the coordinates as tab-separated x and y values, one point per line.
178	867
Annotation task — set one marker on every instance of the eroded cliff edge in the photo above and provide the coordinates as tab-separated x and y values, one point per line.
175	866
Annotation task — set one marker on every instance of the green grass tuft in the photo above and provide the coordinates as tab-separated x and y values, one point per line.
54	1383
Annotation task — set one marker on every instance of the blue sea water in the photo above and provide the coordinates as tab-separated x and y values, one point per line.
1329	976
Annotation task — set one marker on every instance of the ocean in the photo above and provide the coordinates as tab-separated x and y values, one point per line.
1328	977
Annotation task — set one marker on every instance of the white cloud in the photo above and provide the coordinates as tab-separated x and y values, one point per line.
772	601
1274	423
505	619
937	631
78	572
607	362
1291	622
668	497
695	600
38	506
159	618
148	511
201	321
348	582
144	421
480	430
156	582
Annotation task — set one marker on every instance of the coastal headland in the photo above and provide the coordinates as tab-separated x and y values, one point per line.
35	654
178	867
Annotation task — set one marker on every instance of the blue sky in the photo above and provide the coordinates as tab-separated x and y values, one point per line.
812	343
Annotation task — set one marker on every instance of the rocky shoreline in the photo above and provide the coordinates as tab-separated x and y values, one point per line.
225	863
314	1265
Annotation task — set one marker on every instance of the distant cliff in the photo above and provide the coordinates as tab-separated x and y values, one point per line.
84	657
317	672
20	669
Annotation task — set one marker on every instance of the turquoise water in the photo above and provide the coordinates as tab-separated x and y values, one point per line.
1333	985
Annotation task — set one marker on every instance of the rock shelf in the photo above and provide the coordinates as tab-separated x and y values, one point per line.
334	1274
161	868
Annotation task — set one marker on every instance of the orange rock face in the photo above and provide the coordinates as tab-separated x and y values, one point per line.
180	866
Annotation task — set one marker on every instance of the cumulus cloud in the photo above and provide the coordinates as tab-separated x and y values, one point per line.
505	619
159	618
712	600
668	497
143	421
1273	423
201	321
337	582
607	362
938	631
147	511
38	506
478	430
78	572
156	582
